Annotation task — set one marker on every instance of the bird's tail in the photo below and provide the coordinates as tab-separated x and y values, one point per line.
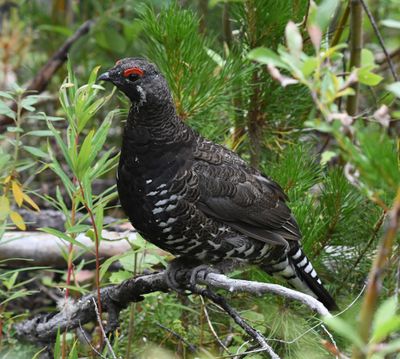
298	271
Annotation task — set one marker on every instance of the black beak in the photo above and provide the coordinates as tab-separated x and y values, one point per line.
104	77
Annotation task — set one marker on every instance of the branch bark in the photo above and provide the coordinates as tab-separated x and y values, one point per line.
19	249
43	328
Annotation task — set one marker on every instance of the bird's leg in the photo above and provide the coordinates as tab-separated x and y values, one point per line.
184	273
201	271
177	273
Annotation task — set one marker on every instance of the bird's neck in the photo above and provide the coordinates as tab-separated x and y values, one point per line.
155	128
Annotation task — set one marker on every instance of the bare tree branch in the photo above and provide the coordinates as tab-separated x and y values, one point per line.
43	328
380	39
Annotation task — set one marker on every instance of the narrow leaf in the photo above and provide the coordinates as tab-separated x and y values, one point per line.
18	220
17	193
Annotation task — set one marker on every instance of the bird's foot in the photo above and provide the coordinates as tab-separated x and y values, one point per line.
181	275
176	274
200	272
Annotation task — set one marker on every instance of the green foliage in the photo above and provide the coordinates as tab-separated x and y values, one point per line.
338	182
188	62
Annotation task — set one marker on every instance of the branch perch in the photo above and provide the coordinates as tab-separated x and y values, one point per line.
43	329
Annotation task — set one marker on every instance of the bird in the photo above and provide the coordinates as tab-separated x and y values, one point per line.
197	199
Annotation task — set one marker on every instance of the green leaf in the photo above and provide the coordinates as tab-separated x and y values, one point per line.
120	276
65	237
14	129
107	263
344	329
392	325
40	133
6	111
385	320
327	156
394	24
28	101
6	95
78	228
4	207
325	11
73	354
111	40
294	41
84	155
63	30
309	65
35	151
98	219
266	56
394	88
367	58
61	144
319	125
9	283
366	77
57	346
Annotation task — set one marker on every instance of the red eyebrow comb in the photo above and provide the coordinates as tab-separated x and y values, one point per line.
133	70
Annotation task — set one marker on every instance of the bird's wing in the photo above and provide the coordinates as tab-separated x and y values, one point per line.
234	193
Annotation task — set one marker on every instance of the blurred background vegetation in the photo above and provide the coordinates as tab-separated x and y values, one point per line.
341	173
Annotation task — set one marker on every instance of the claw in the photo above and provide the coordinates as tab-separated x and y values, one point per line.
196	272
179	270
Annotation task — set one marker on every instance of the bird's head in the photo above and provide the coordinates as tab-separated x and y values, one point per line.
138	79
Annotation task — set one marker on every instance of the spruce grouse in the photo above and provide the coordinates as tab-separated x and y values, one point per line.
195	198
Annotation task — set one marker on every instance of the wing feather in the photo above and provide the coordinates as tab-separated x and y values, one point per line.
240	196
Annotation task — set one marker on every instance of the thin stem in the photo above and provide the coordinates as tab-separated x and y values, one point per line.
380	39
376	276
96	243
255	117
204	310
17	135
253	333
355	52
341	26
375	231
131	328
98	315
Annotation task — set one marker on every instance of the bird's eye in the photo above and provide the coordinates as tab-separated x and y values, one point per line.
133	73
133	77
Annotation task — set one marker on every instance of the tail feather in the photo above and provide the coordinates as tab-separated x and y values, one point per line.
298	271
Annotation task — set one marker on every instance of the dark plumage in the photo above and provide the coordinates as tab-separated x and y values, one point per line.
196	199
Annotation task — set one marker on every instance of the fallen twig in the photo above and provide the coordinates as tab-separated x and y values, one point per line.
20	249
